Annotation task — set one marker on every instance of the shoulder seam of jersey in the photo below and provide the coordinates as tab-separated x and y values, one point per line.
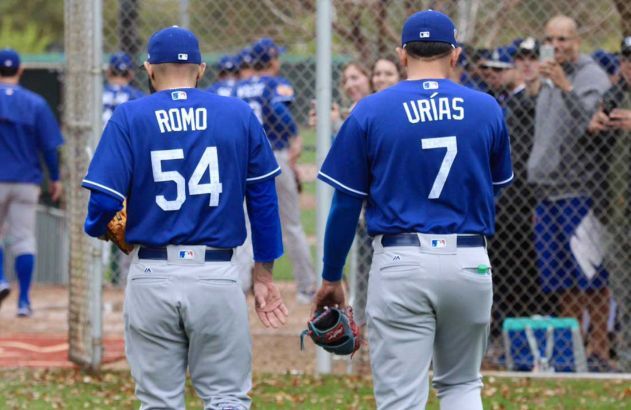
104	187
505	181
342	185
262	176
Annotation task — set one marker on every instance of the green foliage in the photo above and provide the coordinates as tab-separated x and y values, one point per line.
32	26
26	39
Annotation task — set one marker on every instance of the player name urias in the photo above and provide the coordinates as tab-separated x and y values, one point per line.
434	108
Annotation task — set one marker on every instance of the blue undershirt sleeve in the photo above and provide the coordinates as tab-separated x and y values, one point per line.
101	209
340	231
262	205
52	163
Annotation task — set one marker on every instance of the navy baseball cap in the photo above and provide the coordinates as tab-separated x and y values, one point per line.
9	58
121	61
528	46
429	26
500	58
228	64
173	45
607	61
266	50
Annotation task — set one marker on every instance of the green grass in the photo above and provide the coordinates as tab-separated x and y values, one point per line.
72	389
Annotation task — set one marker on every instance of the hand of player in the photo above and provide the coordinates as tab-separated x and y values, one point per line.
330	294
554	71
55	189
620	119
598	123
268	303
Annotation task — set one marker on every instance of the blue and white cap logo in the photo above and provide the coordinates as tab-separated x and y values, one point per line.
439	243
187	255
424	34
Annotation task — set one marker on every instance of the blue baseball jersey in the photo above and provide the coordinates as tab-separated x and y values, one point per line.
284	90
27	128
426	154
222	87
115	95
262	94
182	159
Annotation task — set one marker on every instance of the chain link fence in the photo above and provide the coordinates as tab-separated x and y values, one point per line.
562	228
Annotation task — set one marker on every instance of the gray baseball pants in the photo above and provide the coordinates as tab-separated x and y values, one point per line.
187	314
294	238
428	305
18	209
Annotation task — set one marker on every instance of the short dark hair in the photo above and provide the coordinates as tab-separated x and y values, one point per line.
428	50
8	71
119	73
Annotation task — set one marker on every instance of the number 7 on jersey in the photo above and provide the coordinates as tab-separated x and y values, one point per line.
445	166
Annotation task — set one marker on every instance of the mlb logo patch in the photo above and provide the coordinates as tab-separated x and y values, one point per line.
179	95
423	34
439	243
182	57
430	85
187	255
8	63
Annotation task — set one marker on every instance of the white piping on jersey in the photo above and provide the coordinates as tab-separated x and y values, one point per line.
342	185
434	94
105	188
262	176
505	181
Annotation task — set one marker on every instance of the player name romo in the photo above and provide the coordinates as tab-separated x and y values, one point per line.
434	109
182	119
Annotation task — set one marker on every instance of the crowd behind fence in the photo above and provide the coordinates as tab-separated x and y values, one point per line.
562	228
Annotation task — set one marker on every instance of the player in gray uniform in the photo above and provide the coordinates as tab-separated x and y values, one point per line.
187	161
28	130
427	155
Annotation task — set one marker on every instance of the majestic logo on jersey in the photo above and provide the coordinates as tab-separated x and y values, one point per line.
434	109
182	57
439	243
182	119
187	255
147	270
179	95
430	85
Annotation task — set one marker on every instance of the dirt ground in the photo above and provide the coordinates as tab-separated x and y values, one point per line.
37	340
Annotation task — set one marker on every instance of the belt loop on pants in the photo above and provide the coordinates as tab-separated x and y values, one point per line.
211	255
411	239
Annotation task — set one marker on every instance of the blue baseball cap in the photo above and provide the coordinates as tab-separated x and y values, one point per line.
528	46
429	26
607	61
9	58
228	64
266	50
500	58
120	61
173	45
245	58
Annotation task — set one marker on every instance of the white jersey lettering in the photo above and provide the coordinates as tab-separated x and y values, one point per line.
182	119
434	109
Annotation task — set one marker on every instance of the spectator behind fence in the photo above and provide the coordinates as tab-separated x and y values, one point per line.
28	132
494	66
612	125
567	235
511	250
385	72
527	63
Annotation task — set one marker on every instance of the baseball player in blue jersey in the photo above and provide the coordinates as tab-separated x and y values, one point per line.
427	155
269	99
117	89
28	129
188	159
227	76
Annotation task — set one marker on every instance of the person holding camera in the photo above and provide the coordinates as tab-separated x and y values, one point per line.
611	127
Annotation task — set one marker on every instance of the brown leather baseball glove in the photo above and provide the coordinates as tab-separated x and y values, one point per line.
116	231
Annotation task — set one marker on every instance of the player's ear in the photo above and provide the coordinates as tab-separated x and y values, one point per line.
403	56
202	69
148	69
453	61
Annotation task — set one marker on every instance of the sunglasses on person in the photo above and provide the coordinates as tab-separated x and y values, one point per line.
560	39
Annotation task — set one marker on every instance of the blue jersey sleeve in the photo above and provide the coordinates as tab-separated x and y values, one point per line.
49	136
346	166
501	164
111	167
283	91
262	164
